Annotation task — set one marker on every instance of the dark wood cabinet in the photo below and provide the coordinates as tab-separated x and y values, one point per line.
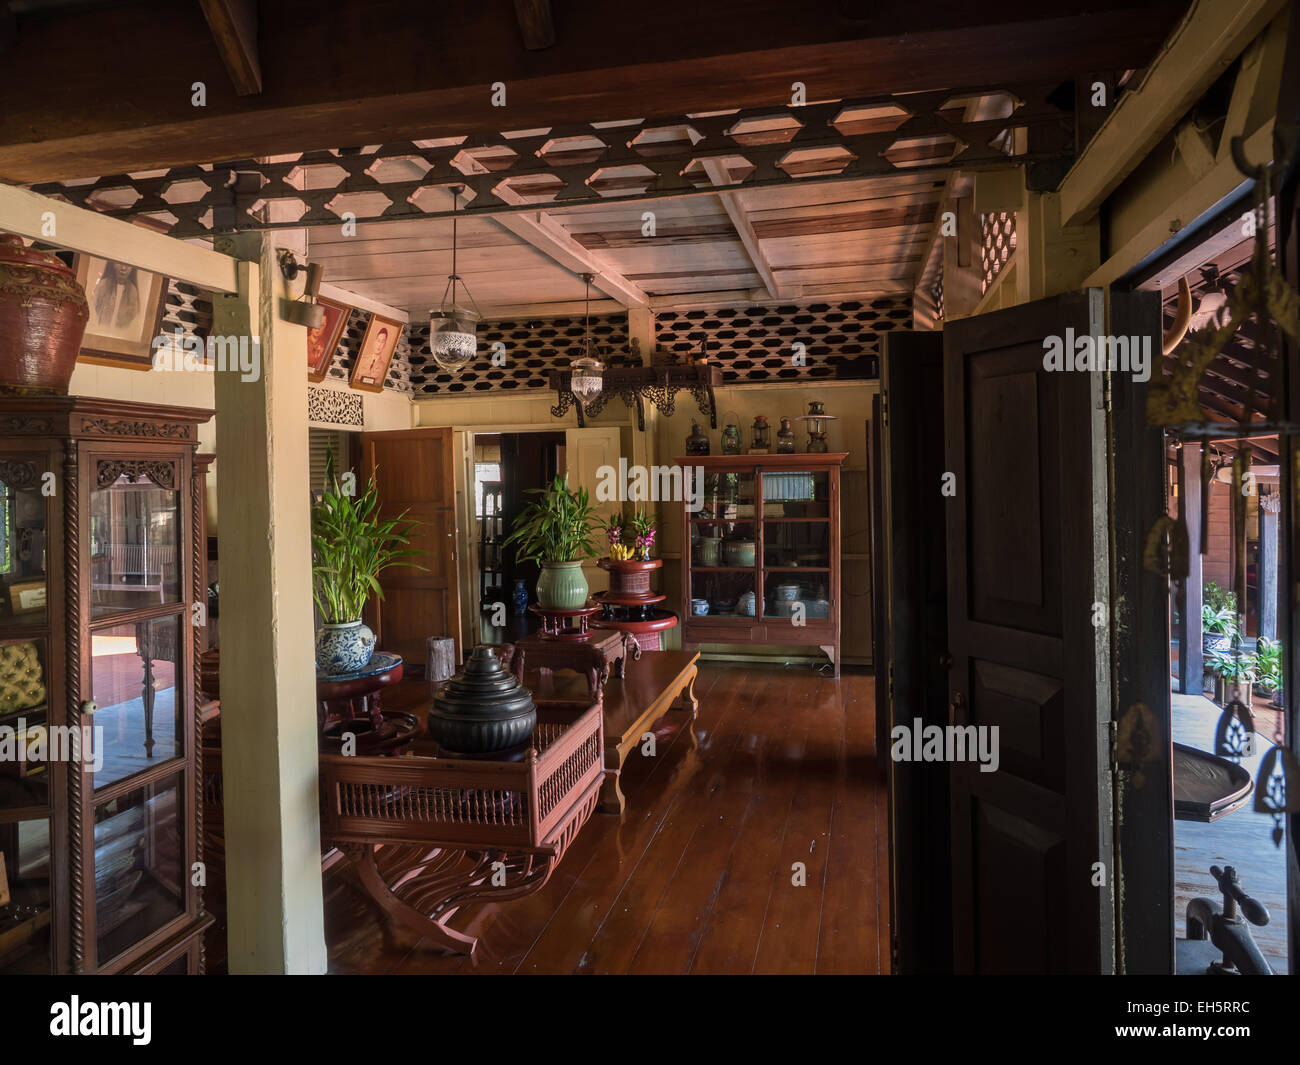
101	604
761	557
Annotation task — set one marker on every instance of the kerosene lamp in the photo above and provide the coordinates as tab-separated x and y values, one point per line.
816	417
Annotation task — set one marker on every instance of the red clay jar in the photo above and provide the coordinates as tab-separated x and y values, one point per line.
43	314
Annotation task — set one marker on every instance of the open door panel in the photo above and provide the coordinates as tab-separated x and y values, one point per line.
1028	568
414	470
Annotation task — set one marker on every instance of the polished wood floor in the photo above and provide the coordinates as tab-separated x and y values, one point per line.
697	876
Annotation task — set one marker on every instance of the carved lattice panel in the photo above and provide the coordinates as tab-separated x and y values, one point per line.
757	344
997	242
588	162
532	348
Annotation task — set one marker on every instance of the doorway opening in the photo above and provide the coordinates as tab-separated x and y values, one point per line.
1225	654
507	466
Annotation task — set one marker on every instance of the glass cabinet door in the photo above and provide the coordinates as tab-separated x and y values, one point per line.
136	677
796	545
22	546
25	928
135	555
140	865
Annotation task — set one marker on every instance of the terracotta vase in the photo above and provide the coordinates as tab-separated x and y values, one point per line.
43	314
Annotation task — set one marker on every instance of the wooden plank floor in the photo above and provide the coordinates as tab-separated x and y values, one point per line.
1242	839
697	875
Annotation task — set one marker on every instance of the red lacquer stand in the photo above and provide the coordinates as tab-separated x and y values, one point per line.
630	606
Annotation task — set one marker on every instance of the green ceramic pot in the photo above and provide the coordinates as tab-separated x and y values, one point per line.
562	586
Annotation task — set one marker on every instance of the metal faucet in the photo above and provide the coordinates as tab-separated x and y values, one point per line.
1207	919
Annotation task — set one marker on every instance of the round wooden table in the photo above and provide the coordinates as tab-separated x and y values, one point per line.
349	703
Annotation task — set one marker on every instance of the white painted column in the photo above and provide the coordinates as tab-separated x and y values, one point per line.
269	754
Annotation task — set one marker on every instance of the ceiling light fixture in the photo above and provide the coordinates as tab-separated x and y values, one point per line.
586	375
453	330
304	310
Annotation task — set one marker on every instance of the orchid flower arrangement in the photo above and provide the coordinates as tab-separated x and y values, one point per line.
640	530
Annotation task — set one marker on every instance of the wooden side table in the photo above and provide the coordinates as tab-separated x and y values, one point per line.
349	702
595	658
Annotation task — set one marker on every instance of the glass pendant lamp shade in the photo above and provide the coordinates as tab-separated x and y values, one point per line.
453	338
586	378
453	330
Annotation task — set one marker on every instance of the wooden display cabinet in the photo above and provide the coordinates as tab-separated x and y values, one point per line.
101	597
764	552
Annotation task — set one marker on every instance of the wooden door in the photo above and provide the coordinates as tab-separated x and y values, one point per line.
414	472
911	682
586	451
1028	569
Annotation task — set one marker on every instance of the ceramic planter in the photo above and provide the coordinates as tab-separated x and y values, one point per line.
562	586
1217	641
43	314
344	648
483	709
740	552
708	550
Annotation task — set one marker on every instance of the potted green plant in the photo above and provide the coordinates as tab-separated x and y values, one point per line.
1268	661
350	547
1234	676
1219	625
555	530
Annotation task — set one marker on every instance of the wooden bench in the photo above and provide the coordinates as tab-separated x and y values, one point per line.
651	686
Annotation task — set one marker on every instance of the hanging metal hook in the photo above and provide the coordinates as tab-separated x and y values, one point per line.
1277	165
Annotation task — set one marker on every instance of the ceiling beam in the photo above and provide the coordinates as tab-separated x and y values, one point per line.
535	23
363	303
321	89
65	226
554	241
234	31
735	208
1209	39
805	294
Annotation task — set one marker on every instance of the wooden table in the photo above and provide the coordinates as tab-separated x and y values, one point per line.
595	658
651	686
348	704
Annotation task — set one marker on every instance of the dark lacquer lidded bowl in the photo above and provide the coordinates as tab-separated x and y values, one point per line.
482	709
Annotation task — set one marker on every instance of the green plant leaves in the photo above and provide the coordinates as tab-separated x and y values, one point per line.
351	547
555	527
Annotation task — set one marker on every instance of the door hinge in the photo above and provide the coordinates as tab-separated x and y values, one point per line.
884	409
1112	730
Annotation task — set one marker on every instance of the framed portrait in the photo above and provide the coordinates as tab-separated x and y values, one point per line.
377	347
126	310
323	342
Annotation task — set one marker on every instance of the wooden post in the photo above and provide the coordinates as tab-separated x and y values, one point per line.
439	659
1270	506
1191	651
268	678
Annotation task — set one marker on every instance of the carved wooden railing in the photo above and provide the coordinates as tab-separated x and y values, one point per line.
429	836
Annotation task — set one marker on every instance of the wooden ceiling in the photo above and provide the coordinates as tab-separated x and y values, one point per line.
823	241
284	76
91	88
1242	373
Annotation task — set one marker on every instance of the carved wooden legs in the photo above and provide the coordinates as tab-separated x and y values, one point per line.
612	800
423	887
830	650
687	703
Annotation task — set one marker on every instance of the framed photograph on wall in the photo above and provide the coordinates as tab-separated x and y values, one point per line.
377	347
322	343
126	310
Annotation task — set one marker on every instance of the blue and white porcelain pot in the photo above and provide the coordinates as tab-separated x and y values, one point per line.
344	648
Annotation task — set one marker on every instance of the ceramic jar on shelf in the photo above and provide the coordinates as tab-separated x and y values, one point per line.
43	315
